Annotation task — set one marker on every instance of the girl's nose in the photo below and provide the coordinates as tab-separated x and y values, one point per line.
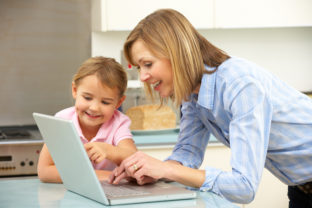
94	106
144	76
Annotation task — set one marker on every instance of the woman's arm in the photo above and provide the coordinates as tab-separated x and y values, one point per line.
98	151
248	106
184	175
46	169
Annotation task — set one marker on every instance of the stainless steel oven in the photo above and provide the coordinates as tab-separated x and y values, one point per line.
20	147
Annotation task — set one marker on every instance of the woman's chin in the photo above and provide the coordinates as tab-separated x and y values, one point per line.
165	94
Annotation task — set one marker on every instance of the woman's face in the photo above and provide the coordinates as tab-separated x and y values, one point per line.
153	70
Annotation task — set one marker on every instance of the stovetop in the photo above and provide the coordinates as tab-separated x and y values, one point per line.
20	134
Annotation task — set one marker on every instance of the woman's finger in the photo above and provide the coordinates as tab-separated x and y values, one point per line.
119	178
120	169
129	166
145	180
111	177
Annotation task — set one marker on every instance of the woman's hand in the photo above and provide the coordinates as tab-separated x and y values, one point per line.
140	166
96	151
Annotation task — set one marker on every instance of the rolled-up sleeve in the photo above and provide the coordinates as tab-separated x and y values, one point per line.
249	136
193	138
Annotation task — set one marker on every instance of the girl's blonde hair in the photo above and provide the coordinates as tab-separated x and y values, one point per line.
108	71
167	33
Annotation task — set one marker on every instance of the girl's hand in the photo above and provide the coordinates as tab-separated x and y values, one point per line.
143	168
96	151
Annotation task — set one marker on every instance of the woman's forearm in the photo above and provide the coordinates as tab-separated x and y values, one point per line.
187	176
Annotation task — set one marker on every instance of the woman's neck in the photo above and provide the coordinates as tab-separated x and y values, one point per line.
196	91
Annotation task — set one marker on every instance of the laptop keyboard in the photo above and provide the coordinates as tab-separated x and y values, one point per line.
120	191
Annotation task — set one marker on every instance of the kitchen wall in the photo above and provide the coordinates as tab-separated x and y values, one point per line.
42	43
286	52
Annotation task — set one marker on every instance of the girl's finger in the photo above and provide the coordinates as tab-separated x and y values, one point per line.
99	159
94	157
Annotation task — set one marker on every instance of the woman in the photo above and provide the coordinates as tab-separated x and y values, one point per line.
265	122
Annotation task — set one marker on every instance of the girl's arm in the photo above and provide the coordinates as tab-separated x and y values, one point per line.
46	169
48	173
98	151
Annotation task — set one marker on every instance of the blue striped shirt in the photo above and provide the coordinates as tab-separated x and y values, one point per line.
264	121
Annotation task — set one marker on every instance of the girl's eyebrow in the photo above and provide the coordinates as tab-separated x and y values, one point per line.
104	98
86	93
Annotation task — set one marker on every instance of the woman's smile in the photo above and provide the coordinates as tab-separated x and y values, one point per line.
157	85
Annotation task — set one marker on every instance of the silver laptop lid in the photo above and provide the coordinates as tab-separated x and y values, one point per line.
73	164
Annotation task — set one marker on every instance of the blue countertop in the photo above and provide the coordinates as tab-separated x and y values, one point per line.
33	193
167	137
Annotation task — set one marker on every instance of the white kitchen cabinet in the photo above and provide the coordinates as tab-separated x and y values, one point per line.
262	13
121	15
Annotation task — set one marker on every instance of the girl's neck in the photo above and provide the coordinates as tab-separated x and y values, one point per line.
89	132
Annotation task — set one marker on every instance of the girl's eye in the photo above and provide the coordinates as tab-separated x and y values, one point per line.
105	103
87	98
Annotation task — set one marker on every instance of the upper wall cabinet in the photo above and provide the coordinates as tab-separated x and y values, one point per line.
262	13
118	15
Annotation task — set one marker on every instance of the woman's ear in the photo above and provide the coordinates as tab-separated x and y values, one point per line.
120	101
74	90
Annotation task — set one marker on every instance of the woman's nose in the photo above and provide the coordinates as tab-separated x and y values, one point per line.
144	76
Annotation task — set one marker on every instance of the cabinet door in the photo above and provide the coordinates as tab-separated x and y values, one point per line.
263	13
119	15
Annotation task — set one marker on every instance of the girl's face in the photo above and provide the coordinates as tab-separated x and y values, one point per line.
95	103
153	70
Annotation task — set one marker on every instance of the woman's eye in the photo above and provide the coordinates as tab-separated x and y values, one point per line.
148	65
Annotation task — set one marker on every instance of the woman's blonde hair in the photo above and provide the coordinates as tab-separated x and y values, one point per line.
108	71
167	33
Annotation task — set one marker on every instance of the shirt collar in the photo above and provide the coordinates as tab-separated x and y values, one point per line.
207	89
99	134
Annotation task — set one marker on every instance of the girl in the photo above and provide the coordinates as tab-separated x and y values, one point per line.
265	122
98	89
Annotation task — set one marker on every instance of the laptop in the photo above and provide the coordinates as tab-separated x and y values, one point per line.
78	175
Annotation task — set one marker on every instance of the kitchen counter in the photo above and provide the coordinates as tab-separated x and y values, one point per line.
30	192
154	138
